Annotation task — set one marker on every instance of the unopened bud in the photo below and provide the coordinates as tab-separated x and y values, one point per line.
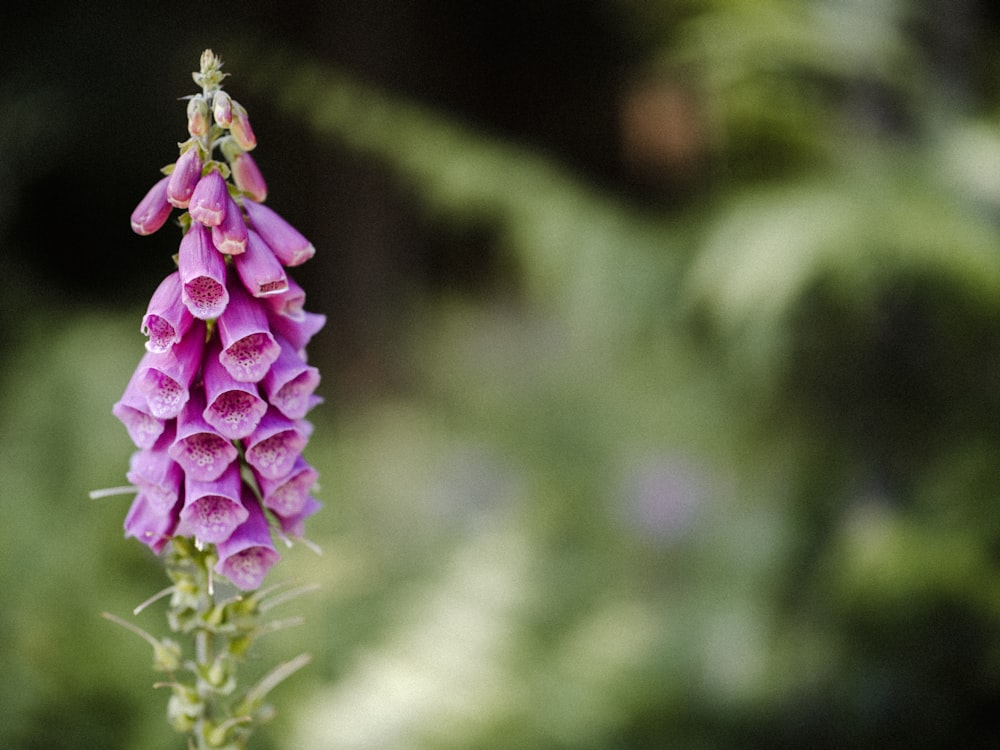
197	113
222	109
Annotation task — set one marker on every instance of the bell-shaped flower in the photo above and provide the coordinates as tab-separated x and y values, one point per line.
248	177
153	209
291	302
156	475
233	408
147	523
273	447
199	449
289	246
294	526
185	177
167	318
164	379
230	237
209	200
248	348
288	495
248	553
261	273
203	274
299	330
132	409
213	510
290	383
240	128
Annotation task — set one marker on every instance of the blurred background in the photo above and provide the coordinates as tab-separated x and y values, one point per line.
661	372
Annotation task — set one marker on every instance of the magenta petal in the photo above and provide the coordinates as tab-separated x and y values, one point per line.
288	495
202	452
213	510
203	274
240	128
156	475
294	526
273	447
133	411
261	273
248	178
290	302
230	237
290	383
248	348
166	318
164	379
248	553
233	408
153	209
148	524
184	178
298	331
289	246
209	200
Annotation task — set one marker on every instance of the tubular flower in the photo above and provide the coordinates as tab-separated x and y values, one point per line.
217	404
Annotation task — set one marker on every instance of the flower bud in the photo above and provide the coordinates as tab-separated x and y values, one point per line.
153	209
209	200
184	178
247	176
240	128
222	109
197	113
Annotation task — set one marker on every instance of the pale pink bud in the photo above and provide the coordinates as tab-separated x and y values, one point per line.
184	178
248	177
240	128
209	200
197	113
153	209
222	109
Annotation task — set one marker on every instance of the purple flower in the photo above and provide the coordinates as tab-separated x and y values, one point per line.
213	510
294	526
203	274
166	318
290	302
133	411
285	241
260	271
153	209
233	408
208	201
202	452
149	524
248	348
298	330
156	475
290	383
289	494
273	447
230	237
164	379
184	178
248	553
248	178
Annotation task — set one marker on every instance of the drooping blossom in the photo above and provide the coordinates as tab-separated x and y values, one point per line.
216	406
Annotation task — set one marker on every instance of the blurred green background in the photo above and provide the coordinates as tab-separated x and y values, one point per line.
662	370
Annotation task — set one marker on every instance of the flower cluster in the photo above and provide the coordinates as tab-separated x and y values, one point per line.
217	405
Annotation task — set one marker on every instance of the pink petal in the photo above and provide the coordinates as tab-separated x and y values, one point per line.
286	242
153	209
209	200
233	408
261	273
166	319
149	525
203	274
184	178
275	445
290	383
248	553
164	379
230	237
201	451
248	178
248	348
288	495
213	510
